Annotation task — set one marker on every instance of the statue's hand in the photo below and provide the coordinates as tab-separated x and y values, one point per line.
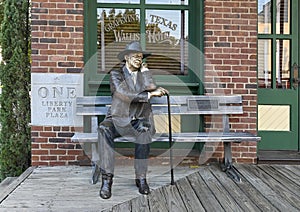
144	67
159	92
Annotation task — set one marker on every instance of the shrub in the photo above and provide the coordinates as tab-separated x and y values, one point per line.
15	80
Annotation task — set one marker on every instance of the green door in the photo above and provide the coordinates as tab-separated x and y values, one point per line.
278	59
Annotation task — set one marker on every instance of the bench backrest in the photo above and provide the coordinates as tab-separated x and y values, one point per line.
225	105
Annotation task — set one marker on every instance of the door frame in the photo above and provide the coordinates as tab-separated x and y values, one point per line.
272	96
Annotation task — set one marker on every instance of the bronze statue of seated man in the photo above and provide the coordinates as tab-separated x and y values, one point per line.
132	87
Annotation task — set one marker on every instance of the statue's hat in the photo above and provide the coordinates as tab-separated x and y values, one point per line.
133	47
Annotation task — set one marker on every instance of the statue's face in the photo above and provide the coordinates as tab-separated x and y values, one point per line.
134	61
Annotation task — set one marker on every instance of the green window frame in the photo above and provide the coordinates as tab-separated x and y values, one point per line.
190	82
276	34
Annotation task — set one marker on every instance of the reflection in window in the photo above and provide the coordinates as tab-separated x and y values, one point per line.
183	2
274	52
264	16
119	1
283	64
166	38
166	32
264	63
283	16
115	28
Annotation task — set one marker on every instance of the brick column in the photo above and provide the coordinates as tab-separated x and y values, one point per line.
231	51
57	47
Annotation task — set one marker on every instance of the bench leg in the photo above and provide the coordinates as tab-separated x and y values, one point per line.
228	167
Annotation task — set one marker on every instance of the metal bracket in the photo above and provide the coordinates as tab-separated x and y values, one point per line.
231	172
296	79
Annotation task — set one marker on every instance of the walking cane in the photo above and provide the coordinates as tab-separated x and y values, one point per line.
170	139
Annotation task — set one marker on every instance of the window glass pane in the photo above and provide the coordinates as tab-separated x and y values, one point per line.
264	63
183	2
283	14
119	1
166	38
283	64
264	16
116	28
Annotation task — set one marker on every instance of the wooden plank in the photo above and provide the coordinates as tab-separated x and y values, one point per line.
279	186
6	182
70	206
246	203
282	179
125	206
174	200
295	169
106	210
26	203
91	111
204	194
177	137
269	189
190	199
5	192
30	205
140	204
179	104
22	209
162	109
221	194
85	137
157	201
92	100
255	195
288	173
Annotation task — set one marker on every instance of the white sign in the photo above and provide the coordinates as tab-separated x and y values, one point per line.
53	99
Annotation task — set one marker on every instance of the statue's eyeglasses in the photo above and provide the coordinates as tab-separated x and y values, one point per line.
136	56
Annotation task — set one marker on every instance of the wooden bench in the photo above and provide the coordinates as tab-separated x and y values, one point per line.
93	107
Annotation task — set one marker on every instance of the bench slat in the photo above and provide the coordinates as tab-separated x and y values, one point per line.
184	110
159	109
181	100
178	137
196	105
93	100
91	111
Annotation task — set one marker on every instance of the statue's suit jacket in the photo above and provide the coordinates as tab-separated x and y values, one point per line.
129	101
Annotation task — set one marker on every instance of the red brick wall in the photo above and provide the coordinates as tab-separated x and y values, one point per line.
52	146
57	36
57	47
231	51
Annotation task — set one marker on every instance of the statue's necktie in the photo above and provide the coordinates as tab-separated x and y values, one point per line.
133	77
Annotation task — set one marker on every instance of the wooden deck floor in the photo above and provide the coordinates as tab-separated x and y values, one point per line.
263	188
